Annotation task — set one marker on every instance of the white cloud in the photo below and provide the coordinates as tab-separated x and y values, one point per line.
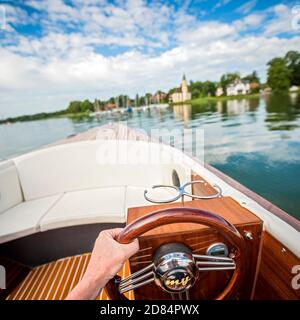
206	32
247	7
251	21
281	21
107	21
39	74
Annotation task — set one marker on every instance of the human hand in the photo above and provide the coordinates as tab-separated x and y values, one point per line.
108	255
107	259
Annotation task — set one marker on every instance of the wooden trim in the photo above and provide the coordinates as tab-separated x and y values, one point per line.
257	269
275	276
54	280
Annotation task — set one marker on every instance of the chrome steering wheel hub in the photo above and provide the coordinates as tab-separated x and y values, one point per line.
175	269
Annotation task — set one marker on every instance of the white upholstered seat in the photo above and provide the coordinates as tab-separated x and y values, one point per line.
10	189
86	206
69	185
24	218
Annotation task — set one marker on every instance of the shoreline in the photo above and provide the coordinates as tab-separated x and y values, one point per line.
65	114
44	116
204	100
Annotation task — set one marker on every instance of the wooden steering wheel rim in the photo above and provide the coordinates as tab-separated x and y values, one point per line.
183	215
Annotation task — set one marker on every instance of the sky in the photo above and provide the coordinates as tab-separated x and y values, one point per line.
55	51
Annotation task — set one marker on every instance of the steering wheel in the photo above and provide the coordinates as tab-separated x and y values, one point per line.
174	267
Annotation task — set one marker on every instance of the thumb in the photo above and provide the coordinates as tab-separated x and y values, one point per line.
131	248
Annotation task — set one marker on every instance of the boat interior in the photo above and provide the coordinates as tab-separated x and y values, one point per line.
233	244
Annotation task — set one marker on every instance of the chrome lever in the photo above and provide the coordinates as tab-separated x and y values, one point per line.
133	281
214	263
132	287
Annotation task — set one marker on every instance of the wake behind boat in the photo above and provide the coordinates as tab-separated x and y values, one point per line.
202	235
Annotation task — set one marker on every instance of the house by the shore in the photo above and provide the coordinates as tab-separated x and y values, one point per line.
182	93
238	87
294	89
110	106
219	91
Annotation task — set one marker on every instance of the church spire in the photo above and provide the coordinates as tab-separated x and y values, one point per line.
183	77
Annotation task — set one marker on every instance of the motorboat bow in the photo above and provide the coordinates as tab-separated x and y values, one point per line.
202	235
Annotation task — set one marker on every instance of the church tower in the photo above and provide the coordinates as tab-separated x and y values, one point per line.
184	89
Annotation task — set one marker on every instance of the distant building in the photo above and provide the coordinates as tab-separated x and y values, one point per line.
110	106
294	89
238	87
266	91
219	92
182	93
254	86
158	97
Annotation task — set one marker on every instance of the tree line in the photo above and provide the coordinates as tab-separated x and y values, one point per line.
282	73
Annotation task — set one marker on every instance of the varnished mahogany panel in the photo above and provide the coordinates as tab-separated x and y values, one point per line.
275	275
226	207
200	189
198	237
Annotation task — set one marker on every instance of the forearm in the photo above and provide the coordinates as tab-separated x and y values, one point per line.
88	288
107	259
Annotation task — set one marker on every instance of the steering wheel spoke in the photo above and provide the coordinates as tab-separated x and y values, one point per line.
137	279
214	263
184	295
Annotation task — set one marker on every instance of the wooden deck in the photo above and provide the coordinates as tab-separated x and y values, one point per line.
15	273
53	281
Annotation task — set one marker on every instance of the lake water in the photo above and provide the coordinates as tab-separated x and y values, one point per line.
256	141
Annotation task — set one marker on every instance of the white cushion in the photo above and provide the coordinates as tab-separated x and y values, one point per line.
10	190
77	166
23	219
102	205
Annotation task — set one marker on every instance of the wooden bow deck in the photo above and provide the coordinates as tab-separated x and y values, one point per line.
54	280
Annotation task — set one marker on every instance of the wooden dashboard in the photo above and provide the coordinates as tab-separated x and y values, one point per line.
199	238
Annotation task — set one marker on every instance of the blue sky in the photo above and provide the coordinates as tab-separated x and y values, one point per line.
54	51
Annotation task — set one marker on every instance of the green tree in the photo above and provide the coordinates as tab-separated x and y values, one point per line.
148	96
252	78
196	93
74	107
292	60
142	101
228	78
278	75
86	106
202	89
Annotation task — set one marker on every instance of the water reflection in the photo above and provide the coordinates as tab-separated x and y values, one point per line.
253	140
227	108
237	106
183	112
282	111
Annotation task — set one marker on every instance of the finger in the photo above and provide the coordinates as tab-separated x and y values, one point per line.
113	233
131	248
